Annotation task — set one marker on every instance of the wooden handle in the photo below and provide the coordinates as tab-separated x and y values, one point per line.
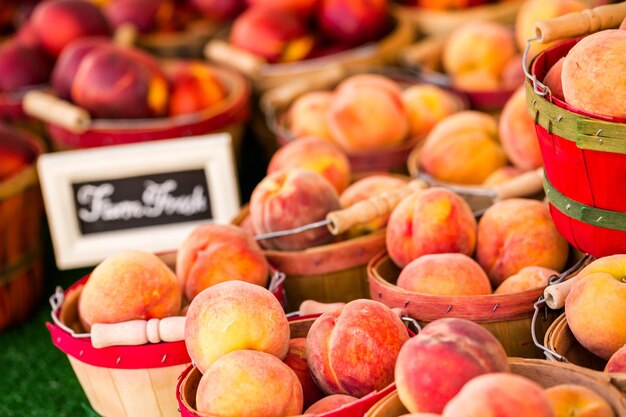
138	332
370	209
526	184
556	294
314	307
224	53
54	110
126	35
582	23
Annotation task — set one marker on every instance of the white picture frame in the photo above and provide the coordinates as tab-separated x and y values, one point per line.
59	171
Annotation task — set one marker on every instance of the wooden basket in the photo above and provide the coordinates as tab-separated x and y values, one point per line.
187	43
21	218
265	76
299	327
560	339
547	374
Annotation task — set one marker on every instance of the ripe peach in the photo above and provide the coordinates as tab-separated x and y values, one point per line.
444	5
553	79
502	395
479	80
426	105
303	8
399	235
463	148
622	26
194	87
307	115
22	66
591	77
367	114
444	274
517	133
528	278
502	175
513	74
508	243
317	155
353	21
215	253
434	365
421	415
249	383
128	286
219	10
576	400
330	403
10	163
292	198
71	19
140	13
296	360
617	362
234	315
352	350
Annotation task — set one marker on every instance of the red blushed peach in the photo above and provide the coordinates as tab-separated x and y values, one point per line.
10	163
617	362
249	383
219	10
303	8
71	19
352	350
426	105
502	175
552	80
307	115
445	274
353	21
433	366
22	66
507	243
296	360
234	315
502	395
215	253
194	87
129	286
575	400
330	403
114	82
317	155
367	115
140	13
288	199
528	278
517	133
399	235
513	74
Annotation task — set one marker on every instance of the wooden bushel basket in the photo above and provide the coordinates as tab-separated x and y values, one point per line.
21	218
187	43
547	374
584	154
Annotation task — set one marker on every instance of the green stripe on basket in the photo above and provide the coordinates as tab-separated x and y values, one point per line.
607	219
588	133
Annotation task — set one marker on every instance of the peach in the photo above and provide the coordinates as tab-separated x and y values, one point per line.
622	26
71	19
534	10
569	400
517	133
443	5
502	175
421	415
249	383
129	286
317	155
330	403
463	148
296	360
594	307
352	350
22	66
445	274
528	278
426	105
552	80
591	77
513	74
367	115
194	87
293	198
307	115
303	8
434	365
140	13
617	362
10	163
507	243
234	315
478	46
399	234
501	395
353	21
275	35
219	10
365	188
215	253
479	80
115	82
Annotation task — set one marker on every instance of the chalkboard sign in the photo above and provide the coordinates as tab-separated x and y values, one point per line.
145	196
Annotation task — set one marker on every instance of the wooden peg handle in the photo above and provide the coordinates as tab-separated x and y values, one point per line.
223	53
315	307
138	332
576	24
525	184
126	35
370	209
556	294
51	109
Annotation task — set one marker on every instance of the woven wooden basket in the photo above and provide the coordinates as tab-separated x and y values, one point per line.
21	218
547	374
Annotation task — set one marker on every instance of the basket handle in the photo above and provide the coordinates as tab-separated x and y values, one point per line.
51	109
224	53
525	184
582	23
308	307
138	332
126	35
